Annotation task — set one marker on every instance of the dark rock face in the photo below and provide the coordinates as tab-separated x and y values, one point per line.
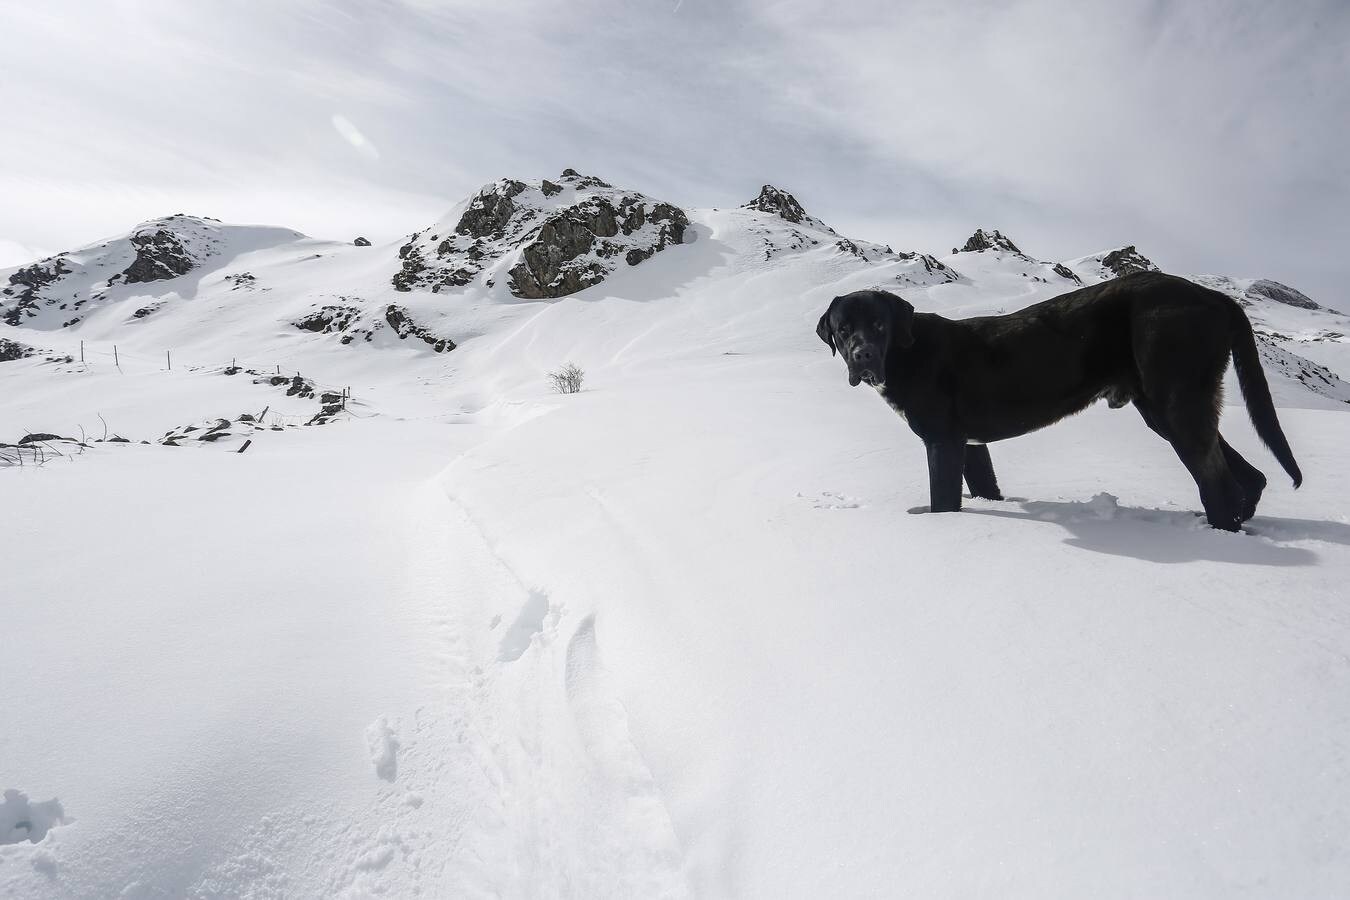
361	242
1126	260
552	265
352	323
12	350
989	240
1281	293
581	182
1064	271
564	245
159	255
489	212
27	283
405	327
329	319
779	203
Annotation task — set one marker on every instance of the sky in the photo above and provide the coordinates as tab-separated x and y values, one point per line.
1211	133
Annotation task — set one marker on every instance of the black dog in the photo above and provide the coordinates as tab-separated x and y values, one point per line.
1157	340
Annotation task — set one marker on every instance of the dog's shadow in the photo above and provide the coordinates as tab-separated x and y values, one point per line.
1103	526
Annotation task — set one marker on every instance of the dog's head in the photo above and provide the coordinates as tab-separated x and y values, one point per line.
864	326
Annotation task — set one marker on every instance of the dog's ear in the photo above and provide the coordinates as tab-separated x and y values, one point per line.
902	320
823	329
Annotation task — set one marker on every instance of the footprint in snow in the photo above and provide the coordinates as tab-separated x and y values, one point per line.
383	745
529	622
23	820
831	500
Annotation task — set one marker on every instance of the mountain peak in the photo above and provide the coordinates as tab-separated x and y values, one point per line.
780	203
546	239
1281	293
1127	260
989	240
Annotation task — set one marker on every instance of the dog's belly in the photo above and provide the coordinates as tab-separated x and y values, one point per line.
1012	413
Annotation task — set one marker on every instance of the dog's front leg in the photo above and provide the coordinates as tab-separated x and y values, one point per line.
946	463
980	473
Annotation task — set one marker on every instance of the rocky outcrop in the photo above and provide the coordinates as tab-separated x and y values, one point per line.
351	322
1125	261
12	350
989	240
561	237
403	326
361	242
26	284
568	252
160	255
331	319
1064	271
1265	289
490	212
779	203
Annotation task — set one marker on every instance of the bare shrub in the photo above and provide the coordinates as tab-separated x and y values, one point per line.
567	380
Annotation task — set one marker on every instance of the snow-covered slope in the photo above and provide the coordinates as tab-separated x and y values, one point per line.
675	635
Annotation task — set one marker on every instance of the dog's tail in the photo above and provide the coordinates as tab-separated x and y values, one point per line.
1256	392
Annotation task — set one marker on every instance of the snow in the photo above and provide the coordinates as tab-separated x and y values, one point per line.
679	634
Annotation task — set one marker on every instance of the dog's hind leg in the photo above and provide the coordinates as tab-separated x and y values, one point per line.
946	463
1192	428
1251	478
980	473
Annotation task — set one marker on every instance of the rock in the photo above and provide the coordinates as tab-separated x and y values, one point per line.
489	212
26	284
581	182
553	264
361	242
562	245
160	255
12	350
405	327
41	436
983	240
1127	260
1064	271
779	203
1266	289
329	319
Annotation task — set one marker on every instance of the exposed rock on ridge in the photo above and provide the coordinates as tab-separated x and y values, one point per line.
565	236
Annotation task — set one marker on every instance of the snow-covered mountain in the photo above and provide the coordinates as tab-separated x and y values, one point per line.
375	612
545	239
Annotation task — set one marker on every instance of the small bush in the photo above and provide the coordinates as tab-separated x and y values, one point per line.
567	380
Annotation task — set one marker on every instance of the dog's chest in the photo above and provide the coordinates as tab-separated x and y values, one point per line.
900	411
890	401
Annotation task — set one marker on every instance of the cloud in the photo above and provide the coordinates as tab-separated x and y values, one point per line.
1210	133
